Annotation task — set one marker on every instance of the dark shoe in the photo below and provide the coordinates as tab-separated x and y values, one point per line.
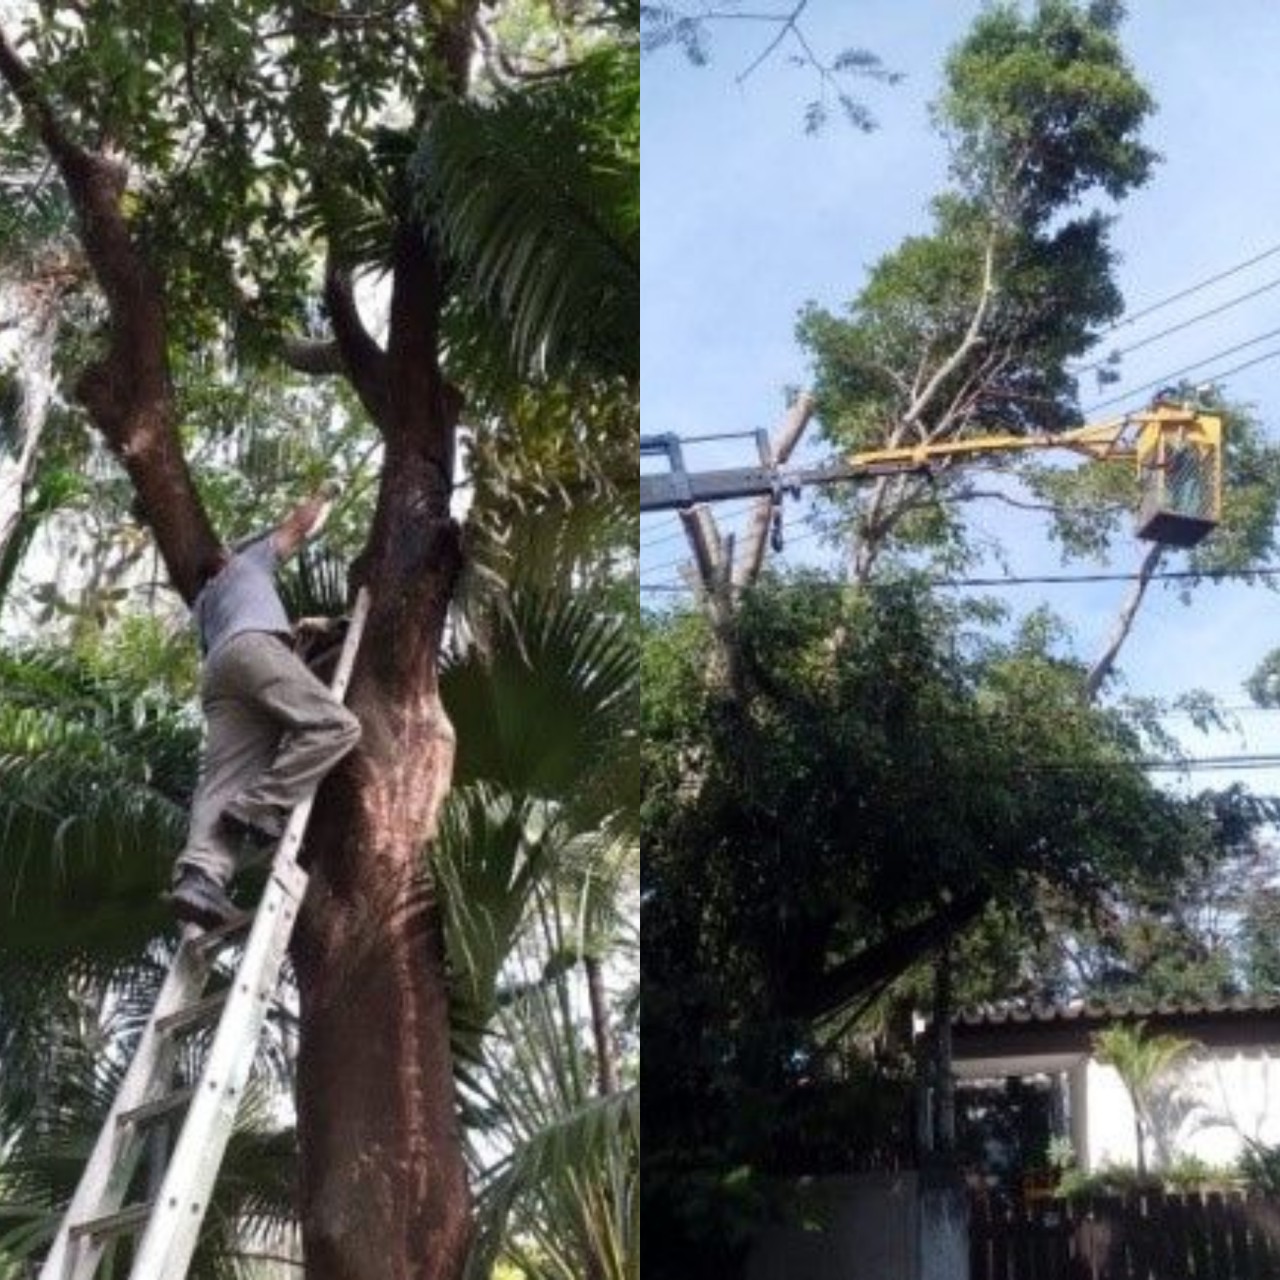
257	833
199	899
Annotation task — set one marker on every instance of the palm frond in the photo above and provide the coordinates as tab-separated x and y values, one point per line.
96	770
537	196
547	710
491	853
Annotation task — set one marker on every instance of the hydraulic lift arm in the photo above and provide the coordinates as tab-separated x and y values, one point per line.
1177	451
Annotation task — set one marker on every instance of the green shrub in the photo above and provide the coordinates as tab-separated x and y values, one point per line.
1259	1167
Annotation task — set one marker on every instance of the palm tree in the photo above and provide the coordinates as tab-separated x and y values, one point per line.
536	853
1140	1061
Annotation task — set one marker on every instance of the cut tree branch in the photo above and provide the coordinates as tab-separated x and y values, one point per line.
762	511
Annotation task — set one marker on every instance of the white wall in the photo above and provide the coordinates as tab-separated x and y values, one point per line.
1207	1108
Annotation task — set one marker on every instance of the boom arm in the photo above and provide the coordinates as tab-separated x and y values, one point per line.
1178	452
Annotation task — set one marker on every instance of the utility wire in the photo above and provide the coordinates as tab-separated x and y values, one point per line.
726	513
1161	303
1177	328
1165	379
1049	580
791	540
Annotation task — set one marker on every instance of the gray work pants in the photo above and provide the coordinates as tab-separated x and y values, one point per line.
273	730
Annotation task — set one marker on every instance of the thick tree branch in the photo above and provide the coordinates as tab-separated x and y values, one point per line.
418	296
363	361
318	357
891	956
127	392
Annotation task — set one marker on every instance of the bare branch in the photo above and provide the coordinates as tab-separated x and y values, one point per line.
973	335
1124	623
786	23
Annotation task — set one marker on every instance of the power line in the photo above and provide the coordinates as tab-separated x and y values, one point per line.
1135	316
1177	328
728	512
791	540
1167	378
1050	580
1188	764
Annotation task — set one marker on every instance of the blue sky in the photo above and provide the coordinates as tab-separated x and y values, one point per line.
744	219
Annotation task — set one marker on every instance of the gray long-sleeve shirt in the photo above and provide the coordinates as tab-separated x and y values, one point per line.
242	597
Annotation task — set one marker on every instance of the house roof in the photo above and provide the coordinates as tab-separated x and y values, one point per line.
1118	1008
1065	1031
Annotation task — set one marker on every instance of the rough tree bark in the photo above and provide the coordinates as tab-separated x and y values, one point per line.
383	1187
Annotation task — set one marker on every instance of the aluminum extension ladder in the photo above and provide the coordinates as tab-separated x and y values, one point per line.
169	1222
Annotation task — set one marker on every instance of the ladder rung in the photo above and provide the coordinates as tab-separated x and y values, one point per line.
198	1014
157	1110
212	939
122	1223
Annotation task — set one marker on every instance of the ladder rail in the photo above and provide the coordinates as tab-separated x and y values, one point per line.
105	1180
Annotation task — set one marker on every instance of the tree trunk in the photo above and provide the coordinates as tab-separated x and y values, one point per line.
943	1008
1124	623
383	1189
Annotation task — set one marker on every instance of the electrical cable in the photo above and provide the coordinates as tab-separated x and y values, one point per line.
1177	328
1161	303
1051	580
1168	379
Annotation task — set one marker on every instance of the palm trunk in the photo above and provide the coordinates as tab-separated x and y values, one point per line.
606	1068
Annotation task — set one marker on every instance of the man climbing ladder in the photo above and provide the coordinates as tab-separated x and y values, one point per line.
273	730
164	1220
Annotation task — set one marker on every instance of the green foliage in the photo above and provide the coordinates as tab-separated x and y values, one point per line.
968	330
537	193
550	708
1185	1175
1042	108
1141	1061
533	858
1259	1167
96	769
886	765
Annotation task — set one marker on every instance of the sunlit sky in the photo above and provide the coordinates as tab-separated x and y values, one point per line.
745	218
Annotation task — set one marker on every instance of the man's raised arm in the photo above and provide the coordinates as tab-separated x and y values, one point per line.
304	521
